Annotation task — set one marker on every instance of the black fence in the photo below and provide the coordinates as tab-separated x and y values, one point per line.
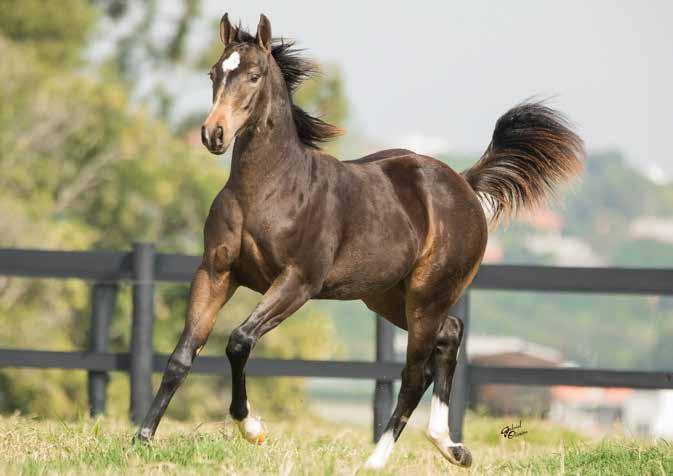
144	267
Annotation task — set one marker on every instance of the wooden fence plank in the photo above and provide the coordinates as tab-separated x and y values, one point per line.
481	375
111	265
101	266
210	365
103	302
460	386
580	280
142	330
383	388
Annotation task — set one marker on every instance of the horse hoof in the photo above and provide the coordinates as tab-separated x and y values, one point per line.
454	453
143	436
460	456
373	464
253	429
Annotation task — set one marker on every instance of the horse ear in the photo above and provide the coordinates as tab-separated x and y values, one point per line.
227	31
263	37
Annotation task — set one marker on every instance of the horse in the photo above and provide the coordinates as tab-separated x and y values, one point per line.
401	231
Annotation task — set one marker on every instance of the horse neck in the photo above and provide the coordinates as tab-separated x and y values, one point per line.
269	149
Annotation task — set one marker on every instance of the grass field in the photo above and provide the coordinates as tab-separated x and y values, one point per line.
312	447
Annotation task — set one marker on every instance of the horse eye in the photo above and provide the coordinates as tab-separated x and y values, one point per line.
211	76
254	77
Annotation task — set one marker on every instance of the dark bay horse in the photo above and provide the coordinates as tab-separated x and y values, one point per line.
403	232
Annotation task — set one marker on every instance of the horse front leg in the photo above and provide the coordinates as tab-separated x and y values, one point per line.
287	294
208	293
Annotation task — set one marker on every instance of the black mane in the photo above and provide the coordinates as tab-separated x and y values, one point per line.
296	69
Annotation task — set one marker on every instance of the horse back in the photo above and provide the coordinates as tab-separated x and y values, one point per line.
396	207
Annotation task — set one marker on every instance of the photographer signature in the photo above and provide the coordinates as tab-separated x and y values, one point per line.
510	431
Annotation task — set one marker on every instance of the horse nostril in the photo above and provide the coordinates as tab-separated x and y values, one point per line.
219	135
204	136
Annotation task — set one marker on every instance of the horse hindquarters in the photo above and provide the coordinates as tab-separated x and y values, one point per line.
453	249
432	344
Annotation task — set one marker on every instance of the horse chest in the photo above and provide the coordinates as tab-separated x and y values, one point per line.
255	268
266	249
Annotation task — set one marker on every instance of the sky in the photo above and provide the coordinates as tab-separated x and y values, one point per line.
437	75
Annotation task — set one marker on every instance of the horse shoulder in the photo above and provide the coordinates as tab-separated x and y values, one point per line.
222	233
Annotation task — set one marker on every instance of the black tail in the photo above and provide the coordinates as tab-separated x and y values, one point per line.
533	150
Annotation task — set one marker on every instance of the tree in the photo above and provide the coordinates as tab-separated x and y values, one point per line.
55	31
86	168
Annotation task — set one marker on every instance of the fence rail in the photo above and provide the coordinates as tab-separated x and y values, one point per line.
143	267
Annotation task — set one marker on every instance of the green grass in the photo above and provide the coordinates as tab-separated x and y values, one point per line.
606	458
310	446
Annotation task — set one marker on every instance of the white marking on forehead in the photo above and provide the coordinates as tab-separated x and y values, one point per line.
231	63
228	65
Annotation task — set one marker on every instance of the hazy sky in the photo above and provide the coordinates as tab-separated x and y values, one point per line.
447	70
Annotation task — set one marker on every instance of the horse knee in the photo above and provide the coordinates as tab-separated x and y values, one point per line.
177	369
413	379
450	335
239	346
429	371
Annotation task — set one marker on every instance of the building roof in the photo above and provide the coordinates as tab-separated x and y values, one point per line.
653	228
591	395
487	346
543	219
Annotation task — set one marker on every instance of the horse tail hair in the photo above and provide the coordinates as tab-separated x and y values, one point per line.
533	150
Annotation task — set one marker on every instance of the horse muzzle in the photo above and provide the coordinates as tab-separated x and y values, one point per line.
214	138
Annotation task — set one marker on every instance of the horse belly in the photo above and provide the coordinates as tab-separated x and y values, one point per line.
360	272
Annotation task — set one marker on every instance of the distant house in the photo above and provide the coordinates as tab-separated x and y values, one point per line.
543	219
588	409
548	239
514	352
602	410
567	250
652	228
649	413
495	252
505	351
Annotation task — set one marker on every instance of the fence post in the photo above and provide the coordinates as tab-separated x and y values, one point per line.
383	392
142	328
461	379
103	302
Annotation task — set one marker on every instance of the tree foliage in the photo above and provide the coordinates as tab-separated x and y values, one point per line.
55	31
84	167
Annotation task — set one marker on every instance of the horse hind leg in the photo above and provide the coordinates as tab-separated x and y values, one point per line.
423	322
444	361
390	305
